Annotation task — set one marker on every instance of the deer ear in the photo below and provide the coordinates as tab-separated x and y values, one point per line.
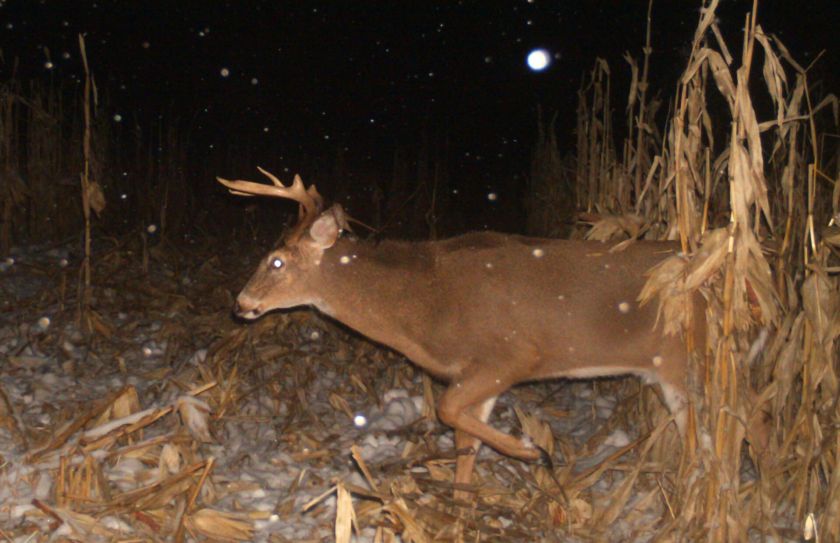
324	231
340	217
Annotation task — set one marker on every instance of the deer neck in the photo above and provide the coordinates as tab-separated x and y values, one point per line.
366	285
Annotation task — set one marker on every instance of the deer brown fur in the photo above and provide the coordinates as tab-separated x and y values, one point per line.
483	312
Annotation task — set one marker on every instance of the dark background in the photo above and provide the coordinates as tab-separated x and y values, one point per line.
309	81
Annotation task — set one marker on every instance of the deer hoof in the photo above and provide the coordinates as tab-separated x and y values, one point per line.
530	451
545	459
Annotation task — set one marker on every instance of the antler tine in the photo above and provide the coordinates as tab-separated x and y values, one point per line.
316	196
309	206
246	188
271	176
310	202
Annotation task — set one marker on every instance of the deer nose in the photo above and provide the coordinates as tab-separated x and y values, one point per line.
247	307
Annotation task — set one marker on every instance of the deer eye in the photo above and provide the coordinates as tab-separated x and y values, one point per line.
275	263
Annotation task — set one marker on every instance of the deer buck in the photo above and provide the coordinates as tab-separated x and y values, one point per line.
483	311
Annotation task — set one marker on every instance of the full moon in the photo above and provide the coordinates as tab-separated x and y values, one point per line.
538	60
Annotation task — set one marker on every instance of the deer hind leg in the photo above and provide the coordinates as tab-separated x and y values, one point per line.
457	409
466	460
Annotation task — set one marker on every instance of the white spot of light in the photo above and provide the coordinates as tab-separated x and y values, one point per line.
538	60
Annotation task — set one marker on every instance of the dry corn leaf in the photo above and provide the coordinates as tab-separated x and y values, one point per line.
821	302
665	282
412	529
170	460
345	516
580	511
220	525
195	414
774	74
96	197
438	471
539	431
616	226
90	528
709	258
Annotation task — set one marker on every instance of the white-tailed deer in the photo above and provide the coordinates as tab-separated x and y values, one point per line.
482	311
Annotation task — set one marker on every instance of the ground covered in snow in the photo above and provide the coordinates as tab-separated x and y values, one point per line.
155	416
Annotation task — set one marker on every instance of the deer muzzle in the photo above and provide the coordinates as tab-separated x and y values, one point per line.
247	307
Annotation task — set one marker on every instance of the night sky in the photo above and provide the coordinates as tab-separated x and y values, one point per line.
295	79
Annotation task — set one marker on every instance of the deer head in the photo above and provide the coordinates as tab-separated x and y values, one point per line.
283	278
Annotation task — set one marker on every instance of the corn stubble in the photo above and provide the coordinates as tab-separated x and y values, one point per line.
754	212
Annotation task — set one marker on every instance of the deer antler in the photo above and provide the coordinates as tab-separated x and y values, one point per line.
309	199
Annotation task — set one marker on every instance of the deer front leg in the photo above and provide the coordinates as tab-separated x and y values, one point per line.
457	409
463	442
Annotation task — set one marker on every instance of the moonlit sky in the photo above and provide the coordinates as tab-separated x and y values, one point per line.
304	78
